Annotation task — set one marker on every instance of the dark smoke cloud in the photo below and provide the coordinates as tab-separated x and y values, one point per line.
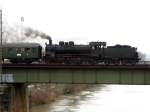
20	33
29	32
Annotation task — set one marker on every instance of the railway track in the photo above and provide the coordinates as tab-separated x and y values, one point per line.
137	66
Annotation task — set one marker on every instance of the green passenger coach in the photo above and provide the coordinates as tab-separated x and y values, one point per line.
22	52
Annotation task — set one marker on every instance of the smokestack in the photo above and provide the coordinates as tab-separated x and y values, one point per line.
50	40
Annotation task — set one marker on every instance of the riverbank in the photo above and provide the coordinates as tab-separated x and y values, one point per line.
48	93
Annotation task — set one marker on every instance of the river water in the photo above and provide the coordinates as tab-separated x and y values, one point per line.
103	98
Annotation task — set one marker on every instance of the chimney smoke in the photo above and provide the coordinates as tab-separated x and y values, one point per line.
19	33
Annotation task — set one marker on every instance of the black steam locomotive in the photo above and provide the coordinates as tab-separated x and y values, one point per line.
93	53
71	53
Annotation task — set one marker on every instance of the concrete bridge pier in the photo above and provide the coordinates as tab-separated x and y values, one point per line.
20	98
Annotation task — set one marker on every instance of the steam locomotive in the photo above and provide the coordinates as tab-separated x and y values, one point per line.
70	53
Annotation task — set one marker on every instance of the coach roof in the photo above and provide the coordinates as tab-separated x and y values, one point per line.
21	45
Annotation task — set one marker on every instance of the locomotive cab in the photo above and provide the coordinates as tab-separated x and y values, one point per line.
97	51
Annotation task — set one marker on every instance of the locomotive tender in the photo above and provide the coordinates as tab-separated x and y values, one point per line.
71	53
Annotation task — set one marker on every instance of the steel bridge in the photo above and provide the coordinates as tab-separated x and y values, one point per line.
19	75
95	74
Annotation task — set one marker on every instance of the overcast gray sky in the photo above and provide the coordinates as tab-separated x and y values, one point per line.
113	21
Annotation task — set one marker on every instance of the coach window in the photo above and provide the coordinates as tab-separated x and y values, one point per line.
27	49
9	49
18	50
22	49
33	50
